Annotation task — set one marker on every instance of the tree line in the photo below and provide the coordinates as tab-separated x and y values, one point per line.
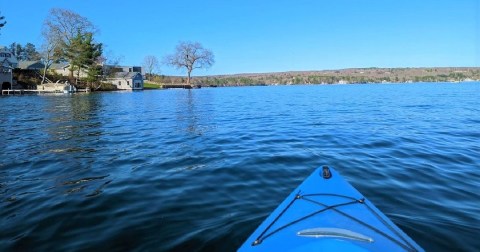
25	52
346	76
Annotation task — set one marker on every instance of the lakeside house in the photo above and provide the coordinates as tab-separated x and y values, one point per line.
63	69
123	77
127	80
8	62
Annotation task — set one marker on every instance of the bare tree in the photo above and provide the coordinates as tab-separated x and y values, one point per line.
50	44
150	63
190	55
64	26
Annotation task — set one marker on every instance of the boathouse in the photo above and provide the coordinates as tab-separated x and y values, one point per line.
8	62
127	80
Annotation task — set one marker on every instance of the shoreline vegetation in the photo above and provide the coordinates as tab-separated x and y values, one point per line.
341	76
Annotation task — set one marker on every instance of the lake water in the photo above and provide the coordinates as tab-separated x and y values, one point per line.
198	170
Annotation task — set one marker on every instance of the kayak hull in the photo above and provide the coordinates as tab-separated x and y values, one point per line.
326	213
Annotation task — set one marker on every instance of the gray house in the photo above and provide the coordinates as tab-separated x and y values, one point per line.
108	69
8	62
131	69
127	80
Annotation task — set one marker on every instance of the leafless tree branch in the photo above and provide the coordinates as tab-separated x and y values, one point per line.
190	55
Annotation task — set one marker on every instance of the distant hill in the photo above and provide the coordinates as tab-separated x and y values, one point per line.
342	76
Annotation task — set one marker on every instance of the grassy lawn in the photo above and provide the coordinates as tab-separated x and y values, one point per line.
148	85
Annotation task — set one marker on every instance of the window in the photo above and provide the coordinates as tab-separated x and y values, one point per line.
128	82
119	83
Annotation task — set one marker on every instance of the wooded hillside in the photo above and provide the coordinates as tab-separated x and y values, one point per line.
344	76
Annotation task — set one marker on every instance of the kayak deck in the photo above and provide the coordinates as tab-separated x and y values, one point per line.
326	212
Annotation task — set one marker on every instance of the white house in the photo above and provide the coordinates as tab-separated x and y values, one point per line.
127	80
64	70
8	62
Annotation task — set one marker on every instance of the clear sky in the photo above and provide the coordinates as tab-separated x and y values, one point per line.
270	36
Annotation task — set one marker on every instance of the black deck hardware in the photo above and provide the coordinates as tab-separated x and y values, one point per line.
326	174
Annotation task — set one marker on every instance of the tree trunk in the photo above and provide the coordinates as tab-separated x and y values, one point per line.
44	73
188	77
78	75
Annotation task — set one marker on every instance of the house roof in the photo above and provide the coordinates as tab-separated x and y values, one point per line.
118	66
126	75
7	58
59	66
30	64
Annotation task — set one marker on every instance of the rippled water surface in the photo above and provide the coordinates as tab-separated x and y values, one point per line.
198	170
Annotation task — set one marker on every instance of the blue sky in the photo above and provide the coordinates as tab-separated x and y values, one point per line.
271	36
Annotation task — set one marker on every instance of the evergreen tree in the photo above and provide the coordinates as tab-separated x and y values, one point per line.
12	48
83	53
72	53
91	55
92	51
2	23
93	74
17	50
27	52
31	52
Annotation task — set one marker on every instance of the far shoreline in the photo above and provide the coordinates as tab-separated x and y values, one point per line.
341	76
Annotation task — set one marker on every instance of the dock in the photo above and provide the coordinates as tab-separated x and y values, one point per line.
184	86
36	91
19	91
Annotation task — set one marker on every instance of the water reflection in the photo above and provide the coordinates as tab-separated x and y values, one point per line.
185	112
194	112
73	123
72	127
